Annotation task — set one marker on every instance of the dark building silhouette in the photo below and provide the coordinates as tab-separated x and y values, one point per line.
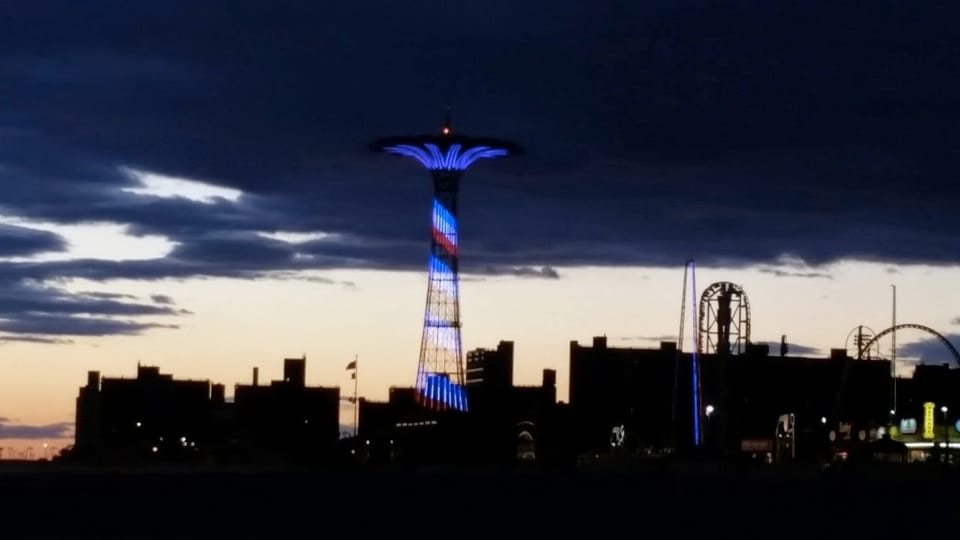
610	387
648	392
934	383
151	414
88	430
156	417
295	371
379	420
287	418
505	423
491	368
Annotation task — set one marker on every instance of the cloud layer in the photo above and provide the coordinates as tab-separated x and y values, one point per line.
24	431
736	134
929	351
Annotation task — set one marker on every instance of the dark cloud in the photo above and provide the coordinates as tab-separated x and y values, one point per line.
955	320
519	271
162	299
39	313
65	325
28	297
35	339
929	351
21	241
23	431
655	132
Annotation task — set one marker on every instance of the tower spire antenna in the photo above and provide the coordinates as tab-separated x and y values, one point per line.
447	127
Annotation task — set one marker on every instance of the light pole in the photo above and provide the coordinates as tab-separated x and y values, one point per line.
946	435
708	410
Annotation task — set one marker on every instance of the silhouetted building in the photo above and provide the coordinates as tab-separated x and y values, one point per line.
938	384
505	423
379	420
648	393
88	430
491	369
287	419
531	401
295	371
156	417
151	414
612	387
218	394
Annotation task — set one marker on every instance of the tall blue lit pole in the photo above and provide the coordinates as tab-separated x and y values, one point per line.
440	374
695	361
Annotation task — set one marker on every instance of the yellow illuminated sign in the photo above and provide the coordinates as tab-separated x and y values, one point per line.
928	420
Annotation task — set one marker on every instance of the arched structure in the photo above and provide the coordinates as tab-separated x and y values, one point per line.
927	329
724	319
526	441
861	335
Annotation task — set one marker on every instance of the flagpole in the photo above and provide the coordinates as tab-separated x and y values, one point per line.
356	402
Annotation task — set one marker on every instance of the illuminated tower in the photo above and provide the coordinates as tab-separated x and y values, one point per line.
440	373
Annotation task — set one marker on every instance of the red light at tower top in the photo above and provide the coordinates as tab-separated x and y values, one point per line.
446	123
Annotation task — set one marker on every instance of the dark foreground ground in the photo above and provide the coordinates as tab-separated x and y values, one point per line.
661	503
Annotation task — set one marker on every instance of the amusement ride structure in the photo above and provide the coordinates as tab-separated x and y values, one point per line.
440	372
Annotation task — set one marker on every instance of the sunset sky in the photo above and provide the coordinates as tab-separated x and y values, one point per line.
188	185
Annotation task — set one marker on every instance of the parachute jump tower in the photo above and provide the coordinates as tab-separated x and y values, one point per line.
440	372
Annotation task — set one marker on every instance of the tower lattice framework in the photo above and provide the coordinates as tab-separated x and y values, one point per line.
440	371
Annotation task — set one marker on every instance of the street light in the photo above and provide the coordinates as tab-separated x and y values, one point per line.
946	434
709	411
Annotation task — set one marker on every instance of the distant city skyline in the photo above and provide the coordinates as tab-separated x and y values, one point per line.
559	311
191	188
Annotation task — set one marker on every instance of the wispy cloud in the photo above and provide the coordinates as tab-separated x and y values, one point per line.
159	185
545	272
44	431
66	325
781	272
47	340
650	339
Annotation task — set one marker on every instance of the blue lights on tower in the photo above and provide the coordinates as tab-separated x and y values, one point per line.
433	158
440	373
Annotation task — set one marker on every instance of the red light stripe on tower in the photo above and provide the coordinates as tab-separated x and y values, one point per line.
444	242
